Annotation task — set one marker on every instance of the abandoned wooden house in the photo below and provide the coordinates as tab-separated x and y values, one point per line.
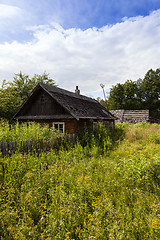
133	116
66	111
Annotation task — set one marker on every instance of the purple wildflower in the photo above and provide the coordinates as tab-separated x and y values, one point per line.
42	219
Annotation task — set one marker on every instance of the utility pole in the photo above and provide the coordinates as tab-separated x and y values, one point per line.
102	86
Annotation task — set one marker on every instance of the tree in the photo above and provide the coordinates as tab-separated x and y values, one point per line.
12	94
102	102
141	94
24	85
150	88
116	97
123	96
9	101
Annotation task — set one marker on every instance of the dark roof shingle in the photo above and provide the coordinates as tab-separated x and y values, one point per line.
78	105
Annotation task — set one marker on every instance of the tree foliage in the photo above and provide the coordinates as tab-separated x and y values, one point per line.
12	94
140	94
124	96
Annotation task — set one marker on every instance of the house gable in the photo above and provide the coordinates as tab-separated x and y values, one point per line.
42	105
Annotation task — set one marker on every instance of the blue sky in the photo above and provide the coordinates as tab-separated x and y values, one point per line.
80	42
81	14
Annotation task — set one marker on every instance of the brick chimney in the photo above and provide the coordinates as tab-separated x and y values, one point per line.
77	91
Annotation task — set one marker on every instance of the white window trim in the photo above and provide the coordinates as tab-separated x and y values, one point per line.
95	125
58	125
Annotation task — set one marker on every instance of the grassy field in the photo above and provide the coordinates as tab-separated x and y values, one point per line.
105	187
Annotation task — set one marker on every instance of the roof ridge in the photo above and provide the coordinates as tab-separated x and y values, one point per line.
59	90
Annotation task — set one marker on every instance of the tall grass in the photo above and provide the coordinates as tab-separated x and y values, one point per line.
94	190
142	132
25	131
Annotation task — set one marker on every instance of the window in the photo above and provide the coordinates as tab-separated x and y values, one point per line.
59	126
95	125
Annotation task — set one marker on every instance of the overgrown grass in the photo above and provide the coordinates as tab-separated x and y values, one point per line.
25	131
90	191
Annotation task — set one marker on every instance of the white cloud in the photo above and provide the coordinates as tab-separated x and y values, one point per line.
8	12
13	23
112	54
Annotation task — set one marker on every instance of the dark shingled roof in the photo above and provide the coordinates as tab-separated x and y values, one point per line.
78	106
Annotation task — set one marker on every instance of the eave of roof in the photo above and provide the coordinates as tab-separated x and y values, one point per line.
45	117
78	106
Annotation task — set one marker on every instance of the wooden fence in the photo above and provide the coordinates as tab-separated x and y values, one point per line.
35	146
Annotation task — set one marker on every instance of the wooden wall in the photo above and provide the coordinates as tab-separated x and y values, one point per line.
132	116
82	124
42	104
70	127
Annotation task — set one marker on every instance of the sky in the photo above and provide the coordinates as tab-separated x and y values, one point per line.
80	42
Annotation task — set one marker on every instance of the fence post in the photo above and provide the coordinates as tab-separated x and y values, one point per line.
3	149
36	146
15	146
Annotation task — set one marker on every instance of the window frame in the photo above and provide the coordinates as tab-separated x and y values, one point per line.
53	124
95	125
